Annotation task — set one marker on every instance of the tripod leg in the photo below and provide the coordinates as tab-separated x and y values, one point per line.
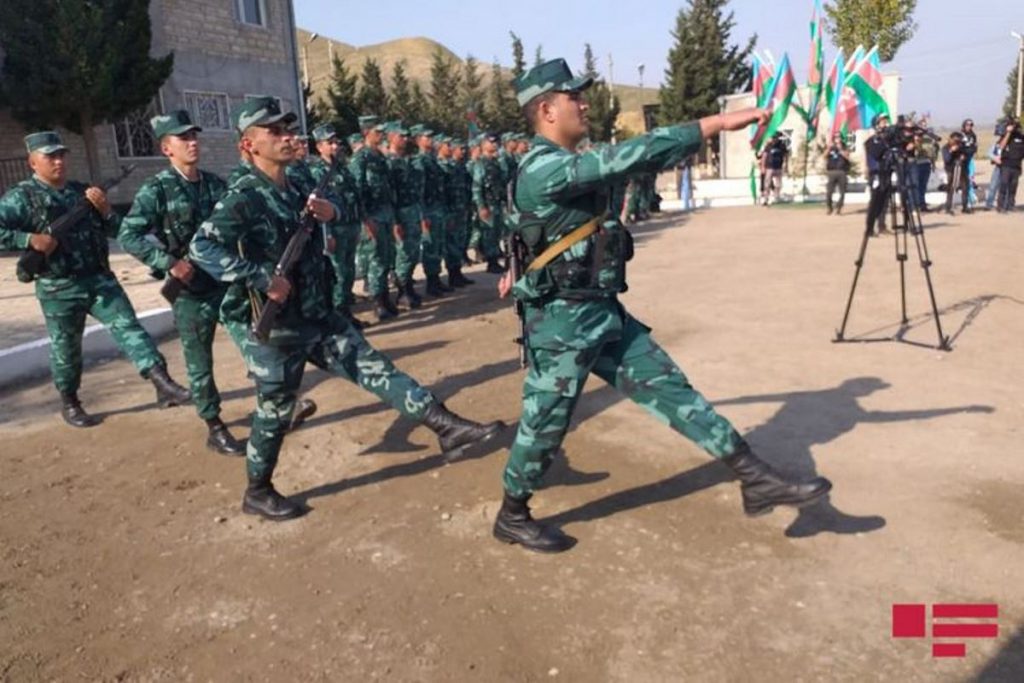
900	238
922	253
853	287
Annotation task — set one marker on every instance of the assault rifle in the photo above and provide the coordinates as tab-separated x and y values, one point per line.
516	259
292	253
31	262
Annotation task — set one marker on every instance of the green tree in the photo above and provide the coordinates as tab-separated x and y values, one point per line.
703	63
518	56
373	99
420	108
538	55
502	110
78	64
472	95
1010	106
445	80
604	106
885	23
342	106
314	116
401	94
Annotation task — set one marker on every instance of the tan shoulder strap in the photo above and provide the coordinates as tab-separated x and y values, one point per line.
564	243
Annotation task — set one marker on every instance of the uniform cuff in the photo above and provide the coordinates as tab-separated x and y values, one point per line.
22	240
261	279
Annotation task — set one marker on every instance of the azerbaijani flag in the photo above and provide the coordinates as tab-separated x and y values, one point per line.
866	81
815	69
833	84
779	98
762	77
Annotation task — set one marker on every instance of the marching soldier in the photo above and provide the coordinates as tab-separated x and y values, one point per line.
331	159
577	254
489	197
240	244
169	207
456	206
433	209
76	279
370	169
408	212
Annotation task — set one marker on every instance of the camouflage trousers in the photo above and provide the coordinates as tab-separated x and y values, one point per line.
343	261
378	253
407	249
491	233
196	317
277	370
65	304
434	241
455	244
636	366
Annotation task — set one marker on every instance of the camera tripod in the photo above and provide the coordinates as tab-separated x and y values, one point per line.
906	221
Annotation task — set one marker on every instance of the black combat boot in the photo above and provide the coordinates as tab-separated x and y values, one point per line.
220	439
73	412
261	498
304	409
494	267
168	392
460	279
410	293
434	287
456	433
383	307
514	524
763	487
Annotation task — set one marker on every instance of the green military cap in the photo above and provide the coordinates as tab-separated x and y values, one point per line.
370	121
551	76
324	131
177	122
458	142
46	141
259	111
493	137
442	139
508	137
396	127
355	138
419	129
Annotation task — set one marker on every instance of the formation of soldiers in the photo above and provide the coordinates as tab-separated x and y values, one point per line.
247	247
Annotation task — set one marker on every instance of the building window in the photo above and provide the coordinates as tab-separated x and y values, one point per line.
134	135
209	110
280	104
252	12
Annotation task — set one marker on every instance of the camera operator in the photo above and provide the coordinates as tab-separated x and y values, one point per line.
878	183
954	157
970	147
837	167
776	161
1012	152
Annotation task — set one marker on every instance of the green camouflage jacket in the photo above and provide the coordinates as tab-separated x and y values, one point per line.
407	181
242	241
343	187
433	180
170	208
373	180
458	185
558	191
489	189
32	205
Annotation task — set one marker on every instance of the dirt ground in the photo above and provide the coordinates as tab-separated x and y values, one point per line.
124	555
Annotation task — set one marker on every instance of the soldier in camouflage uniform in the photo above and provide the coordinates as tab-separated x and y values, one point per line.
463	199
166	213
348	227
240	244
434	214
473	241
76	279
408	212
456	201
370	169
489	198
575	323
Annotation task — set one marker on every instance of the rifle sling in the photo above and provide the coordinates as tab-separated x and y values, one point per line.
564	243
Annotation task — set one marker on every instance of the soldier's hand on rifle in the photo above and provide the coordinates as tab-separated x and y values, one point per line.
279	289
183	270
397	231
371	229
505	284
425	226
43	243
321	209
485	214
98	198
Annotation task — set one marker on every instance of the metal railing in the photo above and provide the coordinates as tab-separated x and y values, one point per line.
13	171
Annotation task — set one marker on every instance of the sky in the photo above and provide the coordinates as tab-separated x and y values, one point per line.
954	67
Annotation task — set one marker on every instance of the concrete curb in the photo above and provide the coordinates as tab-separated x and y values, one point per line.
31	360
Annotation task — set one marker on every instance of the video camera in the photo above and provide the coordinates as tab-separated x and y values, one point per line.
900	137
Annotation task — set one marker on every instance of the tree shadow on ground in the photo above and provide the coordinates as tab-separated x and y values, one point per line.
1008	664
805	419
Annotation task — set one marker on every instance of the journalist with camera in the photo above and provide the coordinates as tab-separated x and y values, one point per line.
1011	153
837	167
